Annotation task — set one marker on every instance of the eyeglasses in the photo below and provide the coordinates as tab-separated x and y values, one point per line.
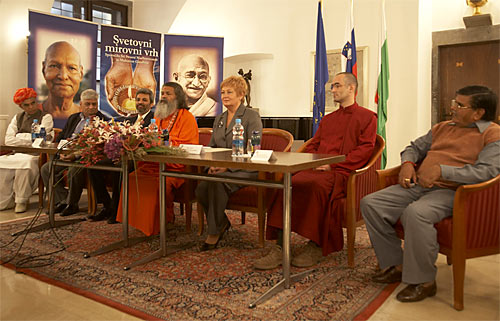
458	105
190	75
336	85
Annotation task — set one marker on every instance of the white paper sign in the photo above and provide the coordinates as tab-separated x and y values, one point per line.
37	143
62	142
192	149
262	155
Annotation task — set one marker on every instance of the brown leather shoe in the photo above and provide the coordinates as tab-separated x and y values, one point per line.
417	292
391	275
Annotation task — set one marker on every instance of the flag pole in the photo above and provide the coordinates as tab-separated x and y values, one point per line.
382	94
320	73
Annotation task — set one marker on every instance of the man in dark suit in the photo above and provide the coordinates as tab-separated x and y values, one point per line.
67	201
144	99
107	204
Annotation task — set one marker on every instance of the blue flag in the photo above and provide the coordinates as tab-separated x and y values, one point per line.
320	74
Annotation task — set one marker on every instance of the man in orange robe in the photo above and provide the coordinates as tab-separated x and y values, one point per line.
143	198
349	131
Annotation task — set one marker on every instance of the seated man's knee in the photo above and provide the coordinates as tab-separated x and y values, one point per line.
414	214
366	205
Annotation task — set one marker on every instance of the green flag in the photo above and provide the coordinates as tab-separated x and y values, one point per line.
383	86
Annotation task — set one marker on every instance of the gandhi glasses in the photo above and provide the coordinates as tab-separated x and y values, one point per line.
458	105
191	75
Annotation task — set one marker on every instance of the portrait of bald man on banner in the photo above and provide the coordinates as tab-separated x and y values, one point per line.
63	72
62	56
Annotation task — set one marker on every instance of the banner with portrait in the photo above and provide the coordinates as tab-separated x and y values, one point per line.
130	60
61	62
196	64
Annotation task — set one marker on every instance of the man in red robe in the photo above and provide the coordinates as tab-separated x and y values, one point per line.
172	114
350	131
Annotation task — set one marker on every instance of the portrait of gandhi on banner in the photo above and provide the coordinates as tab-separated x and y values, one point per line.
196	70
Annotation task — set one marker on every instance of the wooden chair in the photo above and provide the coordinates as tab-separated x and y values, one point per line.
360	183
205	134
254	199
472	231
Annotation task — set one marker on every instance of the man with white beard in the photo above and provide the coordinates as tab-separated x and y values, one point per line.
172	114
172	98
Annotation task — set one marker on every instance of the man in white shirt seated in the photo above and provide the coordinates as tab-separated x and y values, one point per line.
19	172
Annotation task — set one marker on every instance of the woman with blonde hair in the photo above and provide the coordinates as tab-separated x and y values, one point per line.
213	196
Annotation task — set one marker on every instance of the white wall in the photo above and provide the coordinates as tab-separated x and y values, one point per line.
154	15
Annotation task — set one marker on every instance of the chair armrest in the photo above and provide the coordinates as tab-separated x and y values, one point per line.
303	146
360	183
388	177
476	214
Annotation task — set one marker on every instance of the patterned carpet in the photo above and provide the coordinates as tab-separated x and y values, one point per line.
192	285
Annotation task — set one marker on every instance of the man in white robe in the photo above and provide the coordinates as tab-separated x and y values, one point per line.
19	172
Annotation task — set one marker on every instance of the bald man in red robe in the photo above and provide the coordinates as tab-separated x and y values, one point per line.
350	131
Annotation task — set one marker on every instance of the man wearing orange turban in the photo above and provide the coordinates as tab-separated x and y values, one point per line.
19	172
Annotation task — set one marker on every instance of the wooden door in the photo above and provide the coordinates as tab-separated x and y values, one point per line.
466	64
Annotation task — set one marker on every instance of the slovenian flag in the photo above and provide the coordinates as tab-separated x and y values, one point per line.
349	63
382	94
320	73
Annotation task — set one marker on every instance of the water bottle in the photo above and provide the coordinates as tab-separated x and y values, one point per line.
255	140
152	126
43	134
238	140
35	130
165	137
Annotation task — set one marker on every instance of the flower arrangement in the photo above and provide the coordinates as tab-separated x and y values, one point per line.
101	139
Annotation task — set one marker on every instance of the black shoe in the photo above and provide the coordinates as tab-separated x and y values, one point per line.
70	210
112	220
416	292
59	207
207	247
391	275
103	214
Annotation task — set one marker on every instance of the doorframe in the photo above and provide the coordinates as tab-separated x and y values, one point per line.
455	37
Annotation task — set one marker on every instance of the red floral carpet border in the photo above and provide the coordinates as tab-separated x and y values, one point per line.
193	285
